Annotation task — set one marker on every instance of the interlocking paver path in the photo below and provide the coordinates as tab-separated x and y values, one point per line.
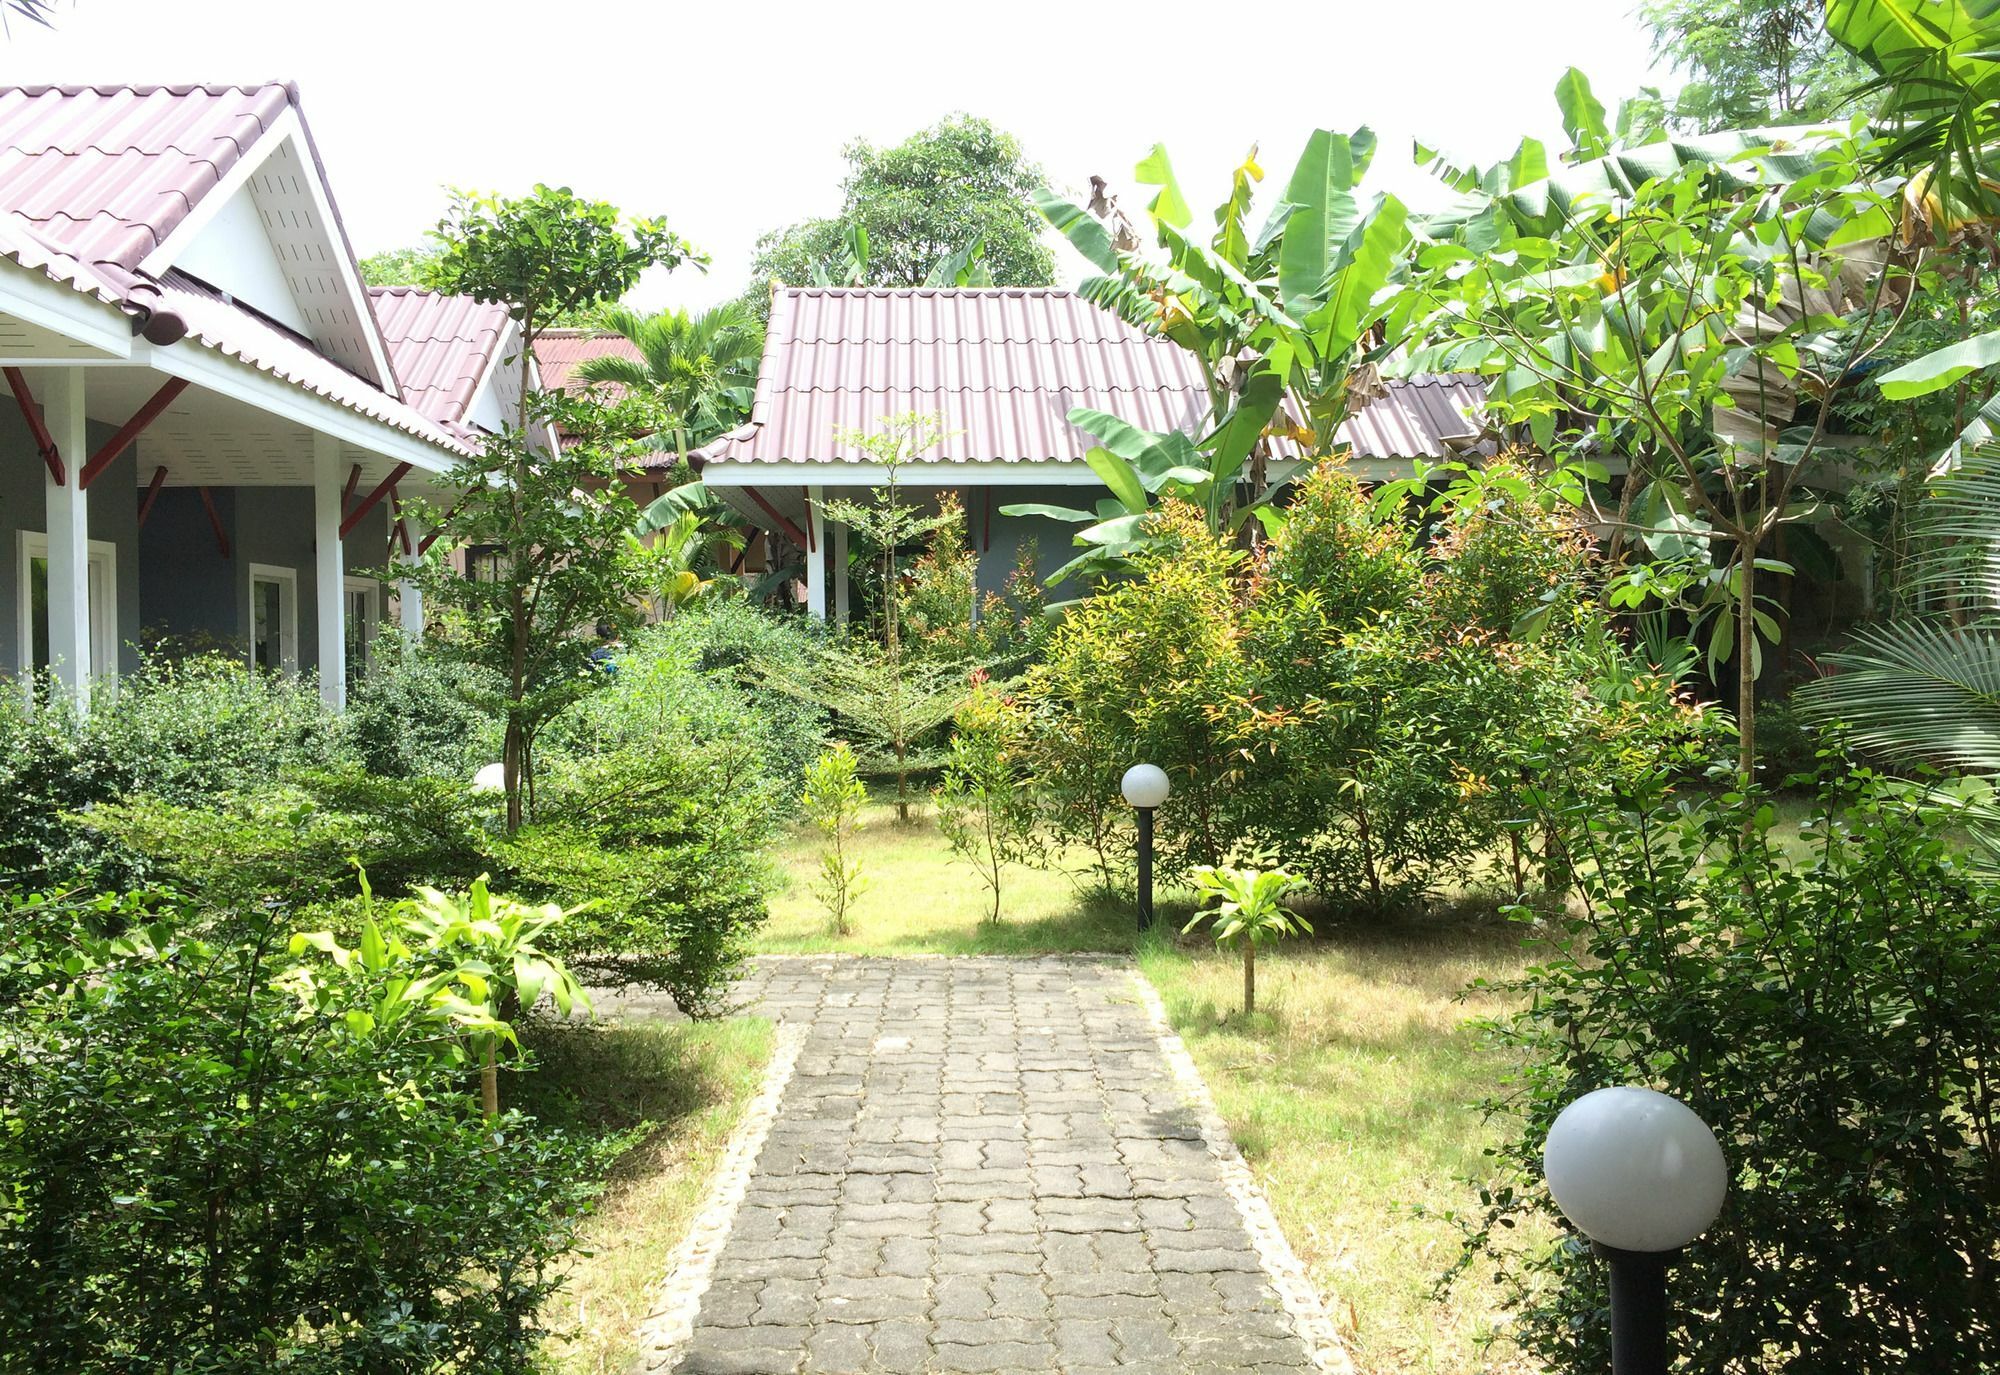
982	1165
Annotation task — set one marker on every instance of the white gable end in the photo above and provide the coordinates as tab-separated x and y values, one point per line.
278	185
232	252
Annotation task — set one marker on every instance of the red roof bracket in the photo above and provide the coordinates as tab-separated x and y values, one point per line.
784	522
152	494
369	502
18	382
215	522
141	418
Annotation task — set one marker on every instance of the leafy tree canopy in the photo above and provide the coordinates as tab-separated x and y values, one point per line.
918	203
414	266
1750	62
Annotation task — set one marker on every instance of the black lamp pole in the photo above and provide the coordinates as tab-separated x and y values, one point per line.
1638	1309
1145	868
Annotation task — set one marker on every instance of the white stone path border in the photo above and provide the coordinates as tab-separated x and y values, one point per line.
670	1319
1288	1276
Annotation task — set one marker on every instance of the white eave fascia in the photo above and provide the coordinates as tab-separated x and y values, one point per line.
286	128
1059	472
29	294
274	395
1048	472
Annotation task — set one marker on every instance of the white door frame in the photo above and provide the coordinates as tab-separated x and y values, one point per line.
371	621
287	579
101	592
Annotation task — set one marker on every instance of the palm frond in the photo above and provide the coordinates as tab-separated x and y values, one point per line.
1916	692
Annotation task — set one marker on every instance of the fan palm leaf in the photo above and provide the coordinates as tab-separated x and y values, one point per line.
1915	691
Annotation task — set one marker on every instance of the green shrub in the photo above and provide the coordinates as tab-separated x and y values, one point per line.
182	732
1787	746
419	714
1134	675
832	800
692	678
1833	1012
985	810
203	1170
666	842
296	841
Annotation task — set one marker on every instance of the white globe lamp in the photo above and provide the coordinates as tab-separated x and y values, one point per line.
1145	786
1640	1175
491	778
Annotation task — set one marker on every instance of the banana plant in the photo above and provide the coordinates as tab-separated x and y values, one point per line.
1277	320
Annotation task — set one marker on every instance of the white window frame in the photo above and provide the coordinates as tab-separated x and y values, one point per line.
287	580
100	578
371	621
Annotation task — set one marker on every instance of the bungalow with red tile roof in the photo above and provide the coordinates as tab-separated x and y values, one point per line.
1001	368
213	427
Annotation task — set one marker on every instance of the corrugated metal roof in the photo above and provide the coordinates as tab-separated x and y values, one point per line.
108	172
441	346
1003	367
560	352
241	334
93	178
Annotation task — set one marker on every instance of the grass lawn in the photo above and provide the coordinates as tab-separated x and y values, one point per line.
680	1087
1347	1094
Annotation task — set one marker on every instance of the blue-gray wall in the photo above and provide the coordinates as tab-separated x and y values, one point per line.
173	580
114	518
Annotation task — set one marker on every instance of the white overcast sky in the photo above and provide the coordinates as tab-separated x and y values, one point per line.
728	116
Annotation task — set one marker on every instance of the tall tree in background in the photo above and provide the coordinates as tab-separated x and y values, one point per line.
942	189
416	266
1750	62
559	512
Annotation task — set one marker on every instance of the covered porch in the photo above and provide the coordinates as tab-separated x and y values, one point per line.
196	476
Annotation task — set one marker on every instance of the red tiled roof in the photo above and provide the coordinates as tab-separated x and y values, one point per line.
94	178
560	352
441	346
241	334
1003	367
106	173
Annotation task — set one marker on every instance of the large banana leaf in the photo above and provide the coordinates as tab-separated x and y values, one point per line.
1936	88
1084	230
1940	368
1317	215
1916	691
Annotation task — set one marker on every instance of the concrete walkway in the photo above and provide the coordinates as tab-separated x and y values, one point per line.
983	1165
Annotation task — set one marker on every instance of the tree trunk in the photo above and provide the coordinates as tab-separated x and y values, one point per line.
489	1081
512	756
1746	666
1249	976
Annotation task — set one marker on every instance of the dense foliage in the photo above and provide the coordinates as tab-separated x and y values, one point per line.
1832	1010
210	1161
1361	700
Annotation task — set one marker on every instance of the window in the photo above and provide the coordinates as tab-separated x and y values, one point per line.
101	580
363	605
486	562
274	618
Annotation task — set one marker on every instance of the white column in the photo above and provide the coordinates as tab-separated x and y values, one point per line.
815	557
329	593
69	536
841	587
409	597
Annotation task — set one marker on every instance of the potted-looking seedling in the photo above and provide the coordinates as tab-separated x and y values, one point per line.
1249	910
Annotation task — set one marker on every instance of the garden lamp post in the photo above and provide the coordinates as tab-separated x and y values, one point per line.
1145	787
1640	1175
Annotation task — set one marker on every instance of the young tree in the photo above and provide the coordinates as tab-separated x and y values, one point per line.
984	807
914	206
1250	909
1690	324
908	702
832	801
558	512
